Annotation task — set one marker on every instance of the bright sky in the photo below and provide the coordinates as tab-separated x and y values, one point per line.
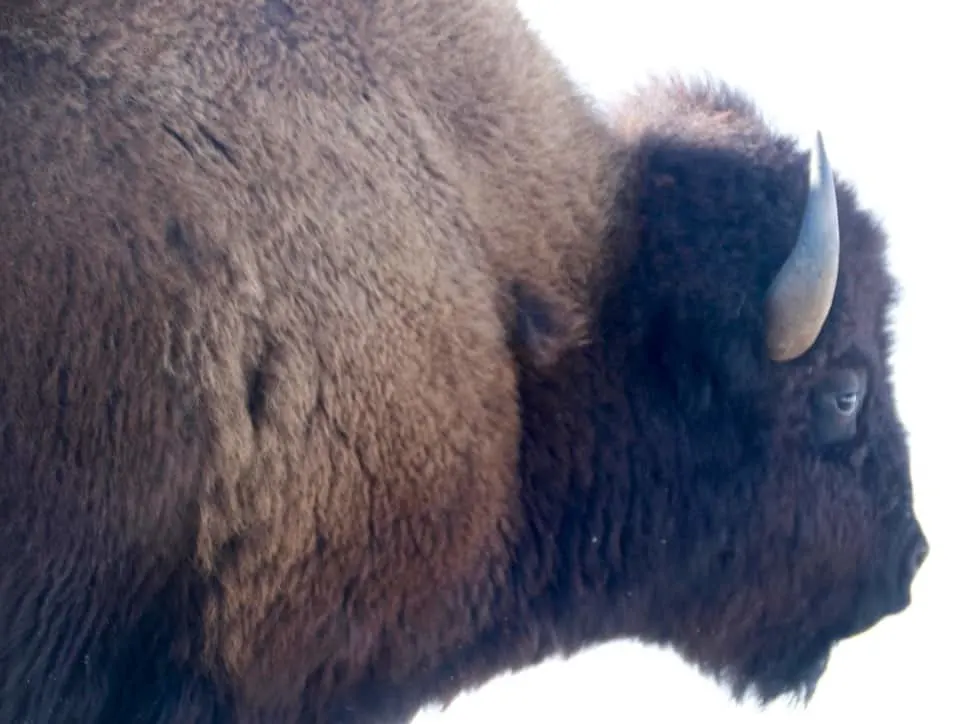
876	79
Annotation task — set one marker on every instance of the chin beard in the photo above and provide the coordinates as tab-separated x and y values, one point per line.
769	679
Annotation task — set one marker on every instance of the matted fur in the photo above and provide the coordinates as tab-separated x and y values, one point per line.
348	358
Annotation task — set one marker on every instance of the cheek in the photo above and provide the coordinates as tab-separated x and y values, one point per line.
803	556
820	522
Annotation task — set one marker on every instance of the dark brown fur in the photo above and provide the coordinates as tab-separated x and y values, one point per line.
348	359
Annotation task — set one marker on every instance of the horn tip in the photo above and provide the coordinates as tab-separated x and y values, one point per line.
820	171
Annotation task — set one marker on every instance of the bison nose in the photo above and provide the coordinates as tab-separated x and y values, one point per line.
916	555
912	557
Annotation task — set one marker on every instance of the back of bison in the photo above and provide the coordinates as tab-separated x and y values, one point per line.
348	360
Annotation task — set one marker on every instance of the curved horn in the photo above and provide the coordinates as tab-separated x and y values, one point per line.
800	296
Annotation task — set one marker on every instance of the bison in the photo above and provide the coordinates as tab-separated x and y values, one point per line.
350	357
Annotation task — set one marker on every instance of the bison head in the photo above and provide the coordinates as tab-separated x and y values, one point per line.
720	467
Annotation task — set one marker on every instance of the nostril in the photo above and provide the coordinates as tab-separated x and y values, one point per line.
916	554
920	552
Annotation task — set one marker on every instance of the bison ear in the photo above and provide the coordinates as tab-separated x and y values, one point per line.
543	328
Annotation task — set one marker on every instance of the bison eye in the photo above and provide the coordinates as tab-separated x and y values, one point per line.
837	401
847	402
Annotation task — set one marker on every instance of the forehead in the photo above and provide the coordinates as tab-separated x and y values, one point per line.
859	319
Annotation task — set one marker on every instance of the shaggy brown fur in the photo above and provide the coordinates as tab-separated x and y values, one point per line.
347	359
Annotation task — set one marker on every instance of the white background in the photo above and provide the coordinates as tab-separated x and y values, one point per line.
880	80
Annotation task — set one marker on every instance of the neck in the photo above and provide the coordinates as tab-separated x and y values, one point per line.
570	584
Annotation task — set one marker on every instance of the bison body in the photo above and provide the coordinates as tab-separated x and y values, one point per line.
348	358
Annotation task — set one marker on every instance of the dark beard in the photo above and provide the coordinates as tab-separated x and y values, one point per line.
766	679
